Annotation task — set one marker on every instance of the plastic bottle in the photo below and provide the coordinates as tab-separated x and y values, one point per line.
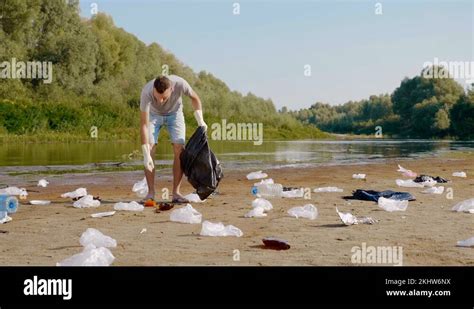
268	190
8	203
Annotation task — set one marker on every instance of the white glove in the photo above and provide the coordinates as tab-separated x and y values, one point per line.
147	160
199	119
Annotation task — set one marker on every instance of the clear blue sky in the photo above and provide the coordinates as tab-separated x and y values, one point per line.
353	52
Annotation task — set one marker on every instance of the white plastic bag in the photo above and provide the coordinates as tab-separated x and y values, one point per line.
308	211
349	219
409	183
256	175
14	191
193	198
140	188
132	206
466	243
460	174
91	256
86	202
464	206
4	218
186	214
257	212
328	189
262	203
103	214
218	229
94	237
358	176
43	183
392	205
76	193
295	193
434	190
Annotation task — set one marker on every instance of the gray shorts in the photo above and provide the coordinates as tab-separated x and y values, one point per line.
174	123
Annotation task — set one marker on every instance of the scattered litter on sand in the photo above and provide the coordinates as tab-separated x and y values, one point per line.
193	198
40	202
308	211
460	174
186	214
140	188
406	173
256	212
349	219
434	190
262	203
132	206
466	243
76	193
95	253
219	229
86	202
103	214
275	243
465	206
392	205
256	175
328	189
43	183
358	176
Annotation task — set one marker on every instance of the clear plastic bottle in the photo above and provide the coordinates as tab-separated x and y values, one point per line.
8	203
267	190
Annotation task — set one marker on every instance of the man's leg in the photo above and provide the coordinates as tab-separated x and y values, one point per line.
177	171
150	176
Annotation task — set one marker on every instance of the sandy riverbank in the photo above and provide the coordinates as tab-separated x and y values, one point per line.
427	231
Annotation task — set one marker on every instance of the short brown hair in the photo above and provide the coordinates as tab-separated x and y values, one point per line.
161	84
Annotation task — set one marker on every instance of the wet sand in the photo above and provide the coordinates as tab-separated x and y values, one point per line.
427	231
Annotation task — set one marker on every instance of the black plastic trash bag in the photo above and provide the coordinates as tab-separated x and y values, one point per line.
200	164
371	195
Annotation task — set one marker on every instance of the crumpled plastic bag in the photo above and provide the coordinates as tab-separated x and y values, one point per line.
358	176
94	237
103	214
76	193
219	229
186	214
465	206
193	198
268	181
4	218
91	256
460	174
86	202
257	212
43	183
349	219
308	211
14	191
140	188
392	205
328	189
262	203
434	190
409	183
132	206
295	193
406	173
256	175
466	243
